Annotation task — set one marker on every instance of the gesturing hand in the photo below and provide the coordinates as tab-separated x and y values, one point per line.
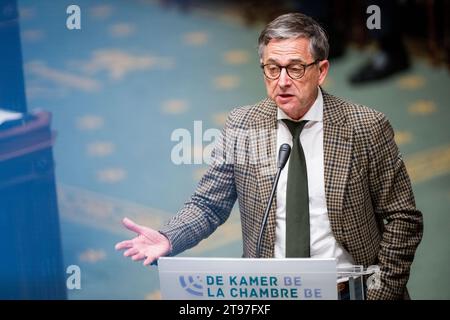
148	245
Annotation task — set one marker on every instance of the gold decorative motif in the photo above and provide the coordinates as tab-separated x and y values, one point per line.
403	137
121	30
100	149
422	107
428	164
236	57
174	106
196	38
89	122
199	173
111	175
411	82
155	295
226	82
92	256
220	118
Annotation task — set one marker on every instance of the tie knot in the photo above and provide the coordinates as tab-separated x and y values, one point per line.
295	127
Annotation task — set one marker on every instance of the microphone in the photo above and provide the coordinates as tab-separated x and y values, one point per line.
283	156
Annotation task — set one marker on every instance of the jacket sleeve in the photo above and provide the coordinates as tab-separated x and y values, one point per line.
394	205
211	203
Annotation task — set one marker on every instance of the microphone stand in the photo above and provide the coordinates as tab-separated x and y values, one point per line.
283	156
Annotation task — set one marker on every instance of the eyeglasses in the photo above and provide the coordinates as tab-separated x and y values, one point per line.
295	71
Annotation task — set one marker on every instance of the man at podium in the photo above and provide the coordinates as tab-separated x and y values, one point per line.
344	192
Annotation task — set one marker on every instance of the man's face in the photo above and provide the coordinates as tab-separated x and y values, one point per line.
294	97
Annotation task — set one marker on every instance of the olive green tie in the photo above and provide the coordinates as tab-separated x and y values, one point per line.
297	199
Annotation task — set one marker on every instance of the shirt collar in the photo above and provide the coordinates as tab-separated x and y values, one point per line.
315	113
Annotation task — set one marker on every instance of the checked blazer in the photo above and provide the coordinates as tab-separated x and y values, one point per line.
369	198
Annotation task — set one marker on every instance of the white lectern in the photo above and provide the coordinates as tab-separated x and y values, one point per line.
255	279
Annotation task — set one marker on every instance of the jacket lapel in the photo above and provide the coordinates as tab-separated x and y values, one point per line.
264	138
337	144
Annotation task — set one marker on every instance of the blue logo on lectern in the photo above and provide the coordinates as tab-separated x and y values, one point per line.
191	285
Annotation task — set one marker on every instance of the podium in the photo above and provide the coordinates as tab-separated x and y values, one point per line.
257	279
31	265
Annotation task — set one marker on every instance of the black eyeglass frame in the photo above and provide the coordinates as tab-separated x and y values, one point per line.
287	69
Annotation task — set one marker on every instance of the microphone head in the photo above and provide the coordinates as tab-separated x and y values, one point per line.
283	155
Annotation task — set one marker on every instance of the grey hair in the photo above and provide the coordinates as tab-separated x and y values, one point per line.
292	26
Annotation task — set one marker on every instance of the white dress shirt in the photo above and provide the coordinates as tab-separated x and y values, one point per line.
322	241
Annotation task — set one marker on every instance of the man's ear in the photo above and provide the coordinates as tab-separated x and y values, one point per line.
324	65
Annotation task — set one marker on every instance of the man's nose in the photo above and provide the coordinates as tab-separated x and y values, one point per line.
284	80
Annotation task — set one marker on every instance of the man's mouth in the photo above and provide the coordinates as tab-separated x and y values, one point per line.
285	96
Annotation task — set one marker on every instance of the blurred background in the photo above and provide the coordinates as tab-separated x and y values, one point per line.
87	115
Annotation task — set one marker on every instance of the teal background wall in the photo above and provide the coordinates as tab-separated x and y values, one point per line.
137	71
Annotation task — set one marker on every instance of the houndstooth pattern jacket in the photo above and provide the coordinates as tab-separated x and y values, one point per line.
369	197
